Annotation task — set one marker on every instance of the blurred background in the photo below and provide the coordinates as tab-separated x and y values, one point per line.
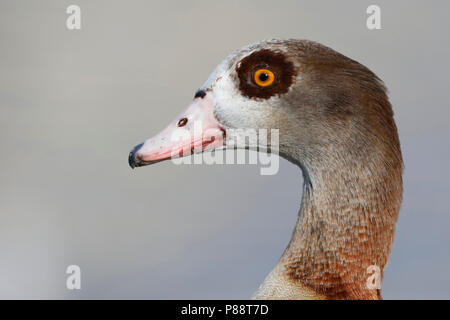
73	104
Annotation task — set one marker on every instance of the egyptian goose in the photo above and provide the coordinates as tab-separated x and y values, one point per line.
336	123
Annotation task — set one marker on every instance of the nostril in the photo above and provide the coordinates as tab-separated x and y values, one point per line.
200	94
182	122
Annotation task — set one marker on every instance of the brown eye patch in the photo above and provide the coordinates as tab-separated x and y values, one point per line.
276	62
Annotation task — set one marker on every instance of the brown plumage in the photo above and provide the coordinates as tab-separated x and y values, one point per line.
336	123
353	188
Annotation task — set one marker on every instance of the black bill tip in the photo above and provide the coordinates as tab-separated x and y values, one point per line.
132	161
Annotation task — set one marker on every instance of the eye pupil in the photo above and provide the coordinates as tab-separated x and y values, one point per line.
263	77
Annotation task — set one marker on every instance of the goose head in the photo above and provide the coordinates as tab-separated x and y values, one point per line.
336	123
323	104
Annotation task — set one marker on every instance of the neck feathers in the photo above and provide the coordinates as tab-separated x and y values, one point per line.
346	223
343	235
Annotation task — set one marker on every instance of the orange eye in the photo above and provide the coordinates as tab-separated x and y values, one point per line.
263	77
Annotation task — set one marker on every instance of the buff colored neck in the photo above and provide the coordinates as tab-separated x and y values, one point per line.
346	223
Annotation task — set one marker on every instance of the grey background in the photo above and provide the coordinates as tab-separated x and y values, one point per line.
73	103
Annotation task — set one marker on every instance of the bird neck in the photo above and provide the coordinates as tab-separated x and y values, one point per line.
344	232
